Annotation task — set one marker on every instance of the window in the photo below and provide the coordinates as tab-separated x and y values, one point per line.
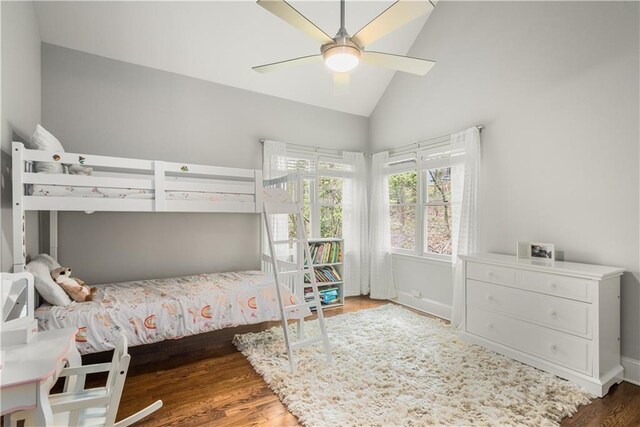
420	204
437	211
330	206
402	206
322	197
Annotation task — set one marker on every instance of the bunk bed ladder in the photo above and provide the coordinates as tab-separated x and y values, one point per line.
298	274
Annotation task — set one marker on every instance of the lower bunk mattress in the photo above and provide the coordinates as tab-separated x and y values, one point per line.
150	311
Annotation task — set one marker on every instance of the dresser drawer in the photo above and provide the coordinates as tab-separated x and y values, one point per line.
558	313
553	284
553	346
491	273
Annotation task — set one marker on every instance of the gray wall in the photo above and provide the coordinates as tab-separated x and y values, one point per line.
20	106
101	106
556	85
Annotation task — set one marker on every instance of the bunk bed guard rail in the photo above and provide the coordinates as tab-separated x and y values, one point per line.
147	186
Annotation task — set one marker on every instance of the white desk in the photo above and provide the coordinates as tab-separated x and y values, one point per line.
30	370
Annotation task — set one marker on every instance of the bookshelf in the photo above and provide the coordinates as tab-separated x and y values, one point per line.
328	257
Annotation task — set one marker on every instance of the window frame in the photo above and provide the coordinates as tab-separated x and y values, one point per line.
430	158
396	166
424	204
314	175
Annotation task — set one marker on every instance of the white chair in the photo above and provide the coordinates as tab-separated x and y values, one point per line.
77	406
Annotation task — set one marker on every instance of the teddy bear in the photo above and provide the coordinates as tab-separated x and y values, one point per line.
74	287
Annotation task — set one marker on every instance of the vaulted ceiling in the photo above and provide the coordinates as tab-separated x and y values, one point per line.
219	41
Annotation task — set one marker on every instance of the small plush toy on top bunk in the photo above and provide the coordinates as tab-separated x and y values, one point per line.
74	287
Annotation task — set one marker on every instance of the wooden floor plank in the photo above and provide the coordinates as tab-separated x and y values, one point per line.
204	381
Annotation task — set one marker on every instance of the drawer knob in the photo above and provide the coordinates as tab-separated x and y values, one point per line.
553	314
490	297
490	274
554	286
553	348
490	326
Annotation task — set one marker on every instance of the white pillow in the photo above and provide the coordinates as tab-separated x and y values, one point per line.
41	266
45	141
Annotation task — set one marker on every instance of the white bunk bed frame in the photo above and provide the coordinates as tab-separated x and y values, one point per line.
126	173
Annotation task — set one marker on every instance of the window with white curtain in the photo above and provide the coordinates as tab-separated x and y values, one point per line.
420	202
322	202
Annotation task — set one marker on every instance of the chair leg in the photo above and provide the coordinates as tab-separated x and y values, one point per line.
139	415
11	420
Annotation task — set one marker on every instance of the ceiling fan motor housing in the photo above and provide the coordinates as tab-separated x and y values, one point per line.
341	44
342	55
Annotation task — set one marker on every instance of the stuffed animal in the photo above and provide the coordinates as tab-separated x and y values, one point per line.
79	170
74	287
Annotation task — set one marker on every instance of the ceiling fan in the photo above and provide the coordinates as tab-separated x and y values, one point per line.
343	52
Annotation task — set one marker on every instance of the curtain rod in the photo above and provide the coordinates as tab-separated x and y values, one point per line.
311	148
414	145
425	143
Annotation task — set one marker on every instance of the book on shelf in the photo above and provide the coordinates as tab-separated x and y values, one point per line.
324	275
326	252
327	296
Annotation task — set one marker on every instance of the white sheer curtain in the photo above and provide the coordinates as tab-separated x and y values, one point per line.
274	159
464	211
274	165
355	225
382	286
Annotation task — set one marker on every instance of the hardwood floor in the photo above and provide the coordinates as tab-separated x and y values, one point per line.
203	380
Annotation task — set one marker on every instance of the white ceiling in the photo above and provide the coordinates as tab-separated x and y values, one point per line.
220	41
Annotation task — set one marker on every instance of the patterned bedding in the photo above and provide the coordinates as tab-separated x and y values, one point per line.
133	193
149	311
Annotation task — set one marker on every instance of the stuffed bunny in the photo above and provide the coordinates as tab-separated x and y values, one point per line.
75	288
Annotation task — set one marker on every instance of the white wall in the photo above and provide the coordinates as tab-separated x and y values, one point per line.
102	106
20	110
556	84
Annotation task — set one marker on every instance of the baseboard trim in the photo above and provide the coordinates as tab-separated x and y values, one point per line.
423	304
631	370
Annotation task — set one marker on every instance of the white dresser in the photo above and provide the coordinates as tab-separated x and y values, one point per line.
563	318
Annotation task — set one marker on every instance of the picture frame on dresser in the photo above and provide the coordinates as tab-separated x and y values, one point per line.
544	252
563	318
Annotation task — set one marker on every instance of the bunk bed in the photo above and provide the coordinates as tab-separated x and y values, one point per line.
157	309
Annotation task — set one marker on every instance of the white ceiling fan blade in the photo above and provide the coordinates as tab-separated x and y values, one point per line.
275	66
406	64
340	83
288	13
396	15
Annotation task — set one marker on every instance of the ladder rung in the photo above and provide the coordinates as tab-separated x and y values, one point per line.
310	303
281	208
306	342
285	273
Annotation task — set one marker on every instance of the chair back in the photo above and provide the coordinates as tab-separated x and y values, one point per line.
116	378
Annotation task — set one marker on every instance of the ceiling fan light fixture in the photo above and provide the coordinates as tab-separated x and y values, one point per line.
342	59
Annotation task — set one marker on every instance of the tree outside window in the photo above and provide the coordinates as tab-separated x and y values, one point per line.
437	211
420	209
402	209
322	196
330	189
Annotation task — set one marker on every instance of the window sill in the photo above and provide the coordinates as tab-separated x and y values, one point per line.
423	259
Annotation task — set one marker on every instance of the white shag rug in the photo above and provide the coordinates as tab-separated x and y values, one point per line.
393	367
